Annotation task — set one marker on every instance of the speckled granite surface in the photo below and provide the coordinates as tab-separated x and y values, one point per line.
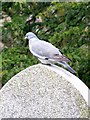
38	92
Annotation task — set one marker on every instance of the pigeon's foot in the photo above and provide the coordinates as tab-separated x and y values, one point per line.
46	64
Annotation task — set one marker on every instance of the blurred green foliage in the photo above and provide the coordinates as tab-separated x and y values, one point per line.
65	25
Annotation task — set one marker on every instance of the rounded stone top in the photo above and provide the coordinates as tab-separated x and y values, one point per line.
42	91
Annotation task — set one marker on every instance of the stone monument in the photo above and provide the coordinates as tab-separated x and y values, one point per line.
42	91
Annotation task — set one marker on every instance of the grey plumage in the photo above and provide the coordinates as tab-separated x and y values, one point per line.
46	52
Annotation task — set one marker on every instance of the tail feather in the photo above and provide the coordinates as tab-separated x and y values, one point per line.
61	58
67	66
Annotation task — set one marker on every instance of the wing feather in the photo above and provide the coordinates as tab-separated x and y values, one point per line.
47	50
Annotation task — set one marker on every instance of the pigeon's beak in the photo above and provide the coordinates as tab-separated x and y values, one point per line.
25	37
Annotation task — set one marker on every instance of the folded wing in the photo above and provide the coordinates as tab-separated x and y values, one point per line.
42	49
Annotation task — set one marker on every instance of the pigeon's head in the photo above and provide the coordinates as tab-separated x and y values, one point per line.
30	35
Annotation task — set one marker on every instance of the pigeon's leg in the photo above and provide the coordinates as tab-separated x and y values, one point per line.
44	62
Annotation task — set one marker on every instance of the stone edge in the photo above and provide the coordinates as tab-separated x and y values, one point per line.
74	80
